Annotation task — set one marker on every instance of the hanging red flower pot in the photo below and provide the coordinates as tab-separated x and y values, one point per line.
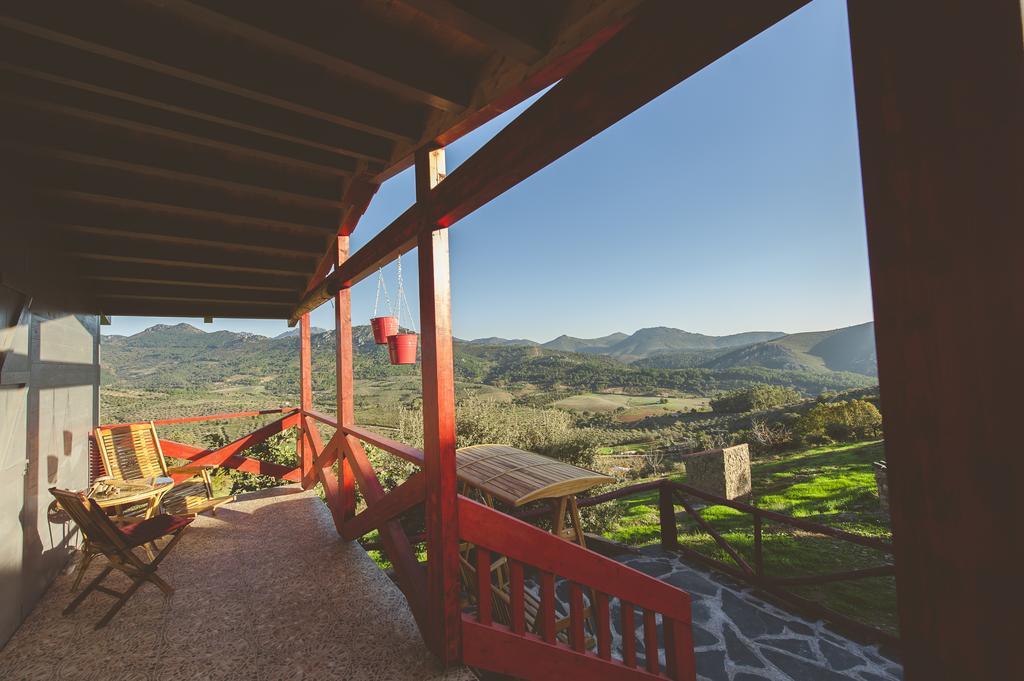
402	348
386	324
382	328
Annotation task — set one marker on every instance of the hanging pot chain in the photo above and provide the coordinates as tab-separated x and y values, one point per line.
402	300
381	286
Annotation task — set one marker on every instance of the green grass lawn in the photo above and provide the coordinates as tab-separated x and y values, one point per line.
635	407
833	486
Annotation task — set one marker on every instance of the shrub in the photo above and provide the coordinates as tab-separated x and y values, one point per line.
839	421
755	398
278	448
552	432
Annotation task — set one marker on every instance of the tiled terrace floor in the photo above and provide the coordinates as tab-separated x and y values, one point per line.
740	637
265	590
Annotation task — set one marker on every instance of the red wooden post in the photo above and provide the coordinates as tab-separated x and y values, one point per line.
442	526
305	402
942	161
344	381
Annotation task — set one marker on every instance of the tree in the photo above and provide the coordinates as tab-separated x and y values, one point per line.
754	398
840	421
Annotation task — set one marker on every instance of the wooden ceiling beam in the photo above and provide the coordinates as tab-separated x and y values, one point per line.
39	128
197	299
666	43
350	46
181	213
505	82
338	166
118	250
523	49
157	191
249	191
160	42
203	108
173	274
145	232
190	291
170	308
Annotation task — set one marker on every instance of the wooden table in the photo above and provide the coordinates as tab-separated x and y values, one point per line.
120	494
517	477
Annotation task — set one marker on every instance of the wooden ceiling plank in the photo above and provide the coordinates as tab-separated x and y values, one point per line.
283	197
156	308
326	42
154	41
197	291
134	273
665	44
203	300
508	43
146	129
183	212
65	172
44	129
120	250
205	108
144	232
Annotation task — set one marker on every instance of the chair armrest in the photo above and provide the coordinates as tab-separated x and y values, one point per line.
194	469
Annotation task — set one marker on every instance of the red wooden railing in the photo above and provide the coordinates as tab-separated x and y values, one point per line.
513	650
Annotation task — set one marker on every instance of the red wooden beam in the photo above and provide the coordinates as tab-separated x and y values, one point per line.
357	197
667	42
396	544
399	449
344	380
244	464
942	159
306	455
211	417
441	518
218	457
394	503
496	648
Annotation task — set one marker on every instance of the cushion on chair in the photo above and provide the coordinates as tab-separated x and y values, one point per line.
137	534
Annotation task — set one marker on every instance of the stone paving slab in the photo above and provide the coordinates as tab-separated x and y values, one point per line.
265	590
740	637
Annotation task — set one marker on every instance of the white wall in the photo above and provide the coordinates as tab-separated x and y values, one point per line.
44	428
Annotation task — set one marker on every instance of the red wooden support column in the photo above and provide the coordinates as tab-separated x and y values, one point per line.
942	162
305	401
344	380
442	525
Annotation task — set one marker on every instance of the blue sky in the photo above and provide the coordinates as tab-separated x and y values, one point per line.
730	203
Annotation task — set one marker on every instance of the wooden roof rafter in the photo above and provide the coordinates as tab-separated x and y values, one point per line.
355	52
229	66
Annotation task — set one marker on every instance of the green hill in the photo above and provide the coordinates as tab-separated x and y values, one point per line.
849	349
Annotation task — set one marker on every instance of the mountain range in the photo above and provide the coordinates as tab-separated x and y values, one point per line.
181	354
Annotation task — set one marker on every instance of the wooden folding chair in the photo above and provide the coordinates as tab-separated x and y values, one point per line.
132	452
116	543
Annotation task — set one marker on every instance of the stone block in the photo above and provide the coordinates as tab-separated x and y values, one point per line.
882	480
723	472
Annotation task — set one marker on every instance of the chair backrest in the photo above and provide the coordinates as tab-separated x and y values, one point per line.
92	521
131	452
